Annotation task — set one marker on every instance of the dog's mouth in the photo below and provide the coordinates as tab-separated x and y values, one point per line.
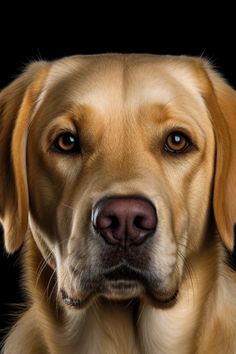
122	283
124	273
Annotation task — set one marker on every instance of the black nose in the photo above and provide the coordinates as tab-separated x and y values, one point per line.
125	220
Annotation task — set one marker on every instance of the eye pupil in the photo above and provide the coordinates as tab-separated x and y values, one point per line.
177	143
68	139
176	139
66	143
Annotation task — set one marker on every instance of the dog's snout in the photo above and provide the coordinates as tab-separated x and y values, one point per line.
125	220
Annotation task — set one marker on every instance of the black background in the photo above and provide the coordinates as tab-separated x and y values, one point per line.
50	36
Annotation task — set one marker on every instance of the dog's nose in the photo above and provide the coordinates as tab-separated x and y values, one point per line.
125	220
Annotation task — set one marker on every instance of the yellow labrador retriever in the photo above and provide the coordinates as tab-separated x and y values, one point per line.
118	172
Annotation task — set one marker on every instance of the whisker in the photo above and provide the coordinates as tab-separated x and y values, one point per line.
129	303
49	282
189	269
52	290
140	314
43	265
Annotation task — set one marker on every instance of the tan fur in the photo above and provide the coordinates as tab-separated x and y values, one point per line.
122	107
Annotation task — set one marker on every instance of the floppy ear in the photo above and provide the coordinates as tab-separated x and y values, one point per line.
16	106
221	103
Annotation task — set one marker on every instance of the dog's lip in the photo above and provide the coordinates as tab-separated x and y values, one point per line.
169	300
160	302
118	282
73	301
128	277
124	273
69	300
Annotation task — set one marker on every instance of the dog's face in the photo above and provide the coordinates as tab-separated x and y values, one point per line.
120	163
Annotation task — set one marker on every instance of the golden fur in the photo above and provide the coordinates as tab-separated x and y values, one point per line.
122	107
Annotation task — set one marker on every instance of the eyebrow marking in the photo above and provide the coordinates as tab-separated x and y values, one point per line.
164	114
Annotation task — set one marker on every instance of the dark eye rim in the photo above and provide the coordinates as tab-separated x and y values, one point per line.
55	147
189	144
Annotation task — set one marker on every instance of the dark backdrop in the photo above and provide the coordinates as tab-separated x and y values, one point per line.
22	42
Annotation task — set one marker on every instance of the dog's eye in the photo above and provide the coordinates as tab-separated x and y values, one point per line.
177	142
66	143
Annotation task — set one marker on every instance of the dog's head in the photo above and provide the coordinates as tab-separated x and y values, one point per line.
115	163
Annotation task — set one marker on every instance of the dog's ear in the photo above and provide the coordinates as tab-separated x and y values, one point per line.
221	103
17	102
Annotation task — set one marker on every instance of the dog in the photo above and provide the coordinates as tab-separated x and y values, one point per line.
118	176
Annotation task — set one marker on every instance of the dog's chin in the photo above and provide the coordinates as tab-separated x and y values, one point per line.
121	290
128	290
117	290
120	283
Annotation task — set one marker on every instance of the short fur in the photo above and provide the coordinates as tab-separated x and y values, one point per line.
122	107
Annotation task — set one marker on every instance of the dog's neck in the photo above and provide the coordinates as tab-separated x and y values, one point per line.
135	328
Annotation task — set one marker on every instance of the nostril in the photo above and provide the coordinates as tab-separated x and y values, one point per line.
115	223
144	223
138	222
105	222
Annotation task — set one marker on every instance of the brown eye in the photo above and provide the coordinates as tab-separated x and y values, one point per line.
66	143
177	143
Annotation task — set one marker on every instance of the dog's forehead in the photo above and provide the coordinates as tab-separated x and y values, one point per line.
122	81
